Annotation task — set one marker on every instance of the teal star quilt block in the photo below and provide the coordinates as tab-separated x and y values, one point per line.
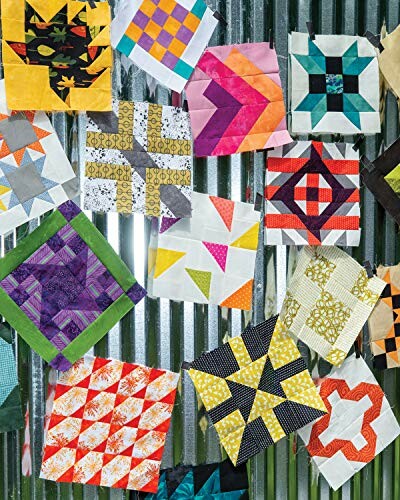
334	85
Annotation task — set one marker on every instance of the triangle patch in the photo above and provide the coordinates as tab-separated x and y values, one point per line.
248	240
202	279
166	259
241	299
225	209
219	252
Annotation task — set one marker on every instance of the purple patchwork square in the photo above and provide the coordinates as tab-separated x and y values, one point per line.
20	274
56	243
169	60
77	244
104	301
179	13
140	19
69	210
184	35
145	42
159	17
19	296
105	279
164	39
71	331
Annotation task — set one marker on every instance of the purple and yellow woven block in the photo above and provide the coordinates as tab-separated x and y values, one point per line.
64	287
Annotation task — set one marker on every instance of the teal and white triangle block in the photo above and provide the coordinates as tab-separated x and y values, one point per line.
334	85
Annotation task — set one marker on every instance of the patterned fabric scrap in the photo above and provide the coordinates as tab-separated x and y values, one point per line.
202	482
256	389
312	195
328	301
108	424
389	60
63	288
139	159
236	102
10	403
35	173
384	322
334	84
208	259
62	48
358	426
164	37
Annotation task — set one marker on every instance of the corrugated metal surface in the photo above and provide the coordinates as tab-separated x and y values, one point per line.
163	333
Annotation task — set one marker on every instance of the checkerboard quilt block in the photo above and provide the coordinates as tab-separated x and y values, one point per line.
57	55
35	173
209	258
328	301
384	322
334	85
202	482
10	403
312	195
108	424
236	102
164	37
63	288
138	159
256	389
359	425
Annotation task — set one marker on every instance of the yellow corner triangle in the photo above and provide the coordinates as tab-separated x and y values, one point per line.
9	56
100	16
166	259
74	7
48	9
103	61
248	240
103	39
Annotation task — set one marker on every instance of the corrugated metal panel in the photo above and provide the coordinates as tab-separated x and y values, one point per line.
163	333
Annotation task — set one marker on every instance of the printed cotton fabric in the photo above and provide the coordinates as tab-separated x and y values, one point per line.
35	173
389	60
139	159
164	37
256	389
334	85
236	102
202	482
63	288
312	195
384	322
328	301
358	426
10	403
108	424
57	55
208	259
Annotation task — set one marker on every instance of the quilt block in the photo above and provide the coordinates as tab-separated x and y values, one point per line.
384	322
235	100
208	259
164	37
63	288
359	424
35	173
256	389
139	159
62	48
10	403
334	85
312	195
108	424
328	301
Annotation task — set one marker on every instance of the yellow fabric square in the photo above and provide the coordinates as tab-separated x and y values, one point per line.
172	26
176	47
152	29
191	22
167	5
148	8
133	32
157	51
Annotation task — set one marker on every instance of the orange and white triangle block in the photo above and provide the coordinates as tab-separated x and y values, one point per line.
209	258
108	424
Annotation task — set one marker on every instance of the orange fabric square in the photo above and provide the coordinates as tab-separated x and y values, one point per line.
172	26
148	8
134	32
191	22
152	29
176	47
167	5
157	51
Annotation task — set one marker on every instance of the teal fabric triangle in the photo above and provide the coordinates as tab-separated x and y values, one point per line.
352	51
313	65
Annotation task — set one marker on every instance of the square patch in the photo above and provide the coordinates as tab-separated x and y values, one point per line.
359	425
64	287
209	258
108	424
256	389
164	37
62	49
236	102
347	102
328	300
312	195
35	173
139	159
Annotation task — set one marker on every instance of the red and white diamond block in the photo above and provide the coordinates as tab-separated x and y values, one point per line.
108	424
